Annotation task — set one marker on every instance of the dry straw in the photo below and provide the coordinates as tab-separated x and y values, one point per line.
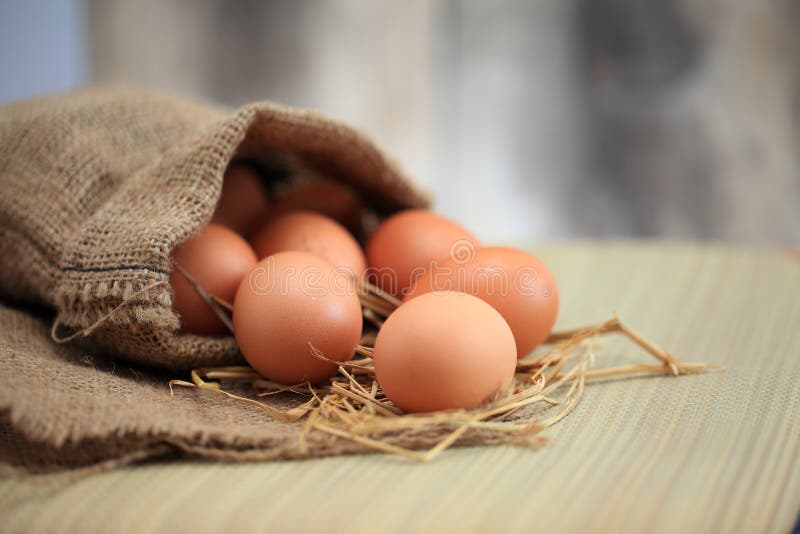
351	405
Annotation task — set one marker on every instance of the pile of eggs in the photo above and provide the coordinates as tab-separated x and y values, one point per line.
292	269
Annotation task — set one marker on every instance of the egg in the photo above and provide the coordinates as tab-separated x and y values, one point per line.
325	196
407	243
513	282
311	232
218	259
289	300
244	202
443	351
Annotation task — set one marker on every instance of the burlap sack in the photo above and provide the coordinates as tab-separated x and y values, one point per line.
99	185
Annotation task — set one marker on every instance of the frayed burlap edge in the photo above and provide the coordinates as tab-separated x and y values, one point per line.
129	314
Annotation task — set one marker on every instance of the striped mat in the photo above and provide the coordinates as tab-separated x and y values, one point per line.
711	453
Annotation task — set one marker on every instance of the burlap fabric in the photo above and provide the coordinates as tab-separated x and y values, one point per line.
63	407
98	186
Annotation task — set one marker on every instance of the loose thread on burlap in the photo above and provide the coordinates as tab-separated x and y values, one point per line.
221	308
105	317
375	302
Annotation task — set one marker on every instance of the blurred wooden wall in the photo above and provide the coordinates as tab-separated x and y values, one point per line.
693	109
526	119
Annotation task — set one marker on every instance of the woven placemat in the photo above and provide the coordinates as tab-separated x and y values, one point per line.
717	452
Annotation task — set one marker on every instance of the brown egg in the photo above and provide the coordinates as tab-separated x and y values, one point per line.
289	300
443	351
244	202
515	283
314	233
322	195
218	259
406	245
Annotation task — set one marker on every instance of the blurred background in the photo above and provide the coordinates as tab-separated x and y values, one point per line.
543	119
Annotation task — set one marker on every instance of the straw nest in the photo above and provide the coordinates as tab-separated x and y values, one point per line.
351	405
